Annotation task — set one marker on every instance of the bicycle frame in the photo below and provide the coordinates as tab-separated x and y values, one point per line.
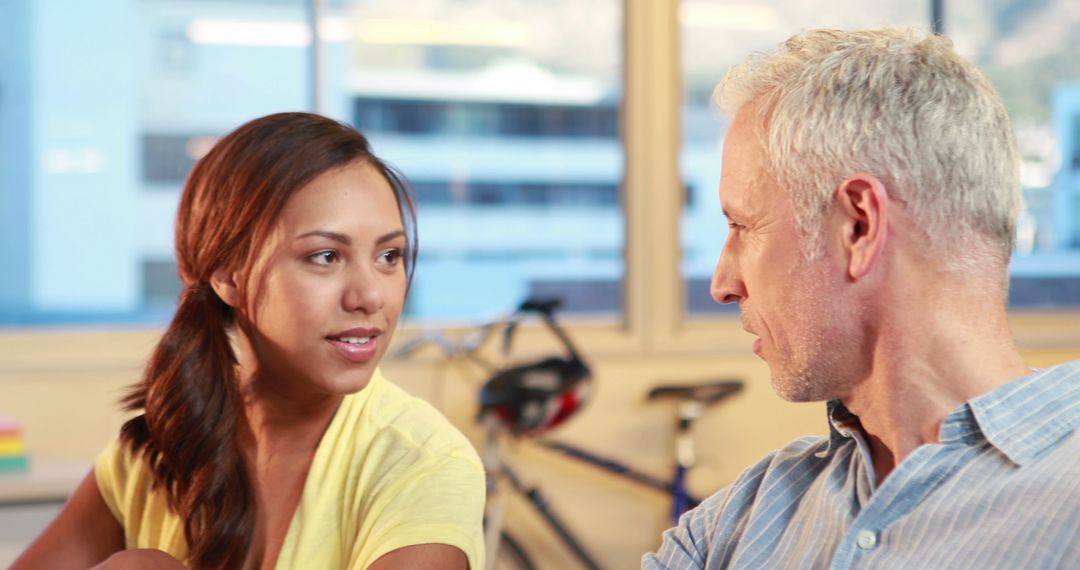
682	501
499	470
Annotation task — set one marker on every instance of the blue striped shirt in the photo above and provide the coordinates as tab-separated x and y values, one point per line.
1000	490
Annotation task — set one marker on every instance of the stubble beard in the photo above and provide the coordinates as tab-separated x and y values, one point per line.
811	367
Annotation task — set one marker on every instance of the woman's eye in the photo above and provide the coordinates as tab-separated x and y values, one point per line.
391	256
323	257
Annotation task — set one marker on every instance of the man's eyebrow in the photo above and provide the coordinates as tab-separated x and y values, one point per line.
338	237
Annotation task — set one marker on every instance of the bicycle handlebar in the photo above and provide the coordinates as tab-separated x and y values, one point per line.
414	344
478	336
537	305
449	348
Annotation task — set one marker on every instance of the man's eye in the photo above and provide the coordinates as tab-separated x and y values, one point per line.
323	257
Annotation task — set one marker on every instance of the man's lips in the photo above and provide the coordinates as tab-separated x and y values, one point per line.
757	339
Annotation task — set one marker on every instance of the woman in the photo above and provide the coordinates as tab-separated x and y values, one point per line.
268	438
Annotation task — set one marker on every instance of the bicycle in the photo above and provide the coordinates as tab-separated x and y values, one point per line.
527	400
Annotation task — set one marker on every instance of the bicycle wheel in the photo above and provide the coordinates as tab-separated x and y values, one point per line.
511	556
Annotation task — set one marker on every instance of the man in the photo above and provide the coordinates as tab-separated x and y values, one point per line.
870	181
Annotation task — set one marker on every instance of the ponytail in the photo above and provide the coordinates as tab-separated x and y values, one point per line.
188	430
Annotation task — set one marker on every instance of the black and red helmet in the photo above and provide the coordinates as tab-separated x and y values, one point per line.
535	397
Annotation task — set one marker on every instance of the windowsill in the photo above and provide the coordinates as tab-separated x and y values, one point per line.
46	481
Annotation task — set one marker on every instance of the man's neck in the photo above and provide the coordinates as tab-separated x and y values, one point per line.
926	363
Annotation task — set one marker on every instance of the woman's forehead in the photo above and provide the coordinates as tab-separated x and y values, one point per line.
355	198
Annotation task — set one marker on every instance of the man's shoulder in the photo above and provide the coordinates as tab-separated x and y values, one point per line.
800	447
1063	372
785	472
714	529
800	456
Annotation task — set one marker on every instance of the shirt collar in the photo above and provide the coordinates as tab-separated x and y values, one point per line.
1032	415
1023	419
841	424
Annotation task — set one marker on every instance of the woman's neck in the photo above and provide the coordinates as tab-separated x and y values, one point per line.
279	422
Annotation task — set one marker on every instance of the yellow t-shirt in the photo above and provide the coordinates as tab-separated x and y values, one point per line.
390	472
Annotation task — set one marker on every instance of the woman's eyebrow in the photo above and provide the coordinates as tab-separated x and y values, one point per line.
338	237
346	240
392	235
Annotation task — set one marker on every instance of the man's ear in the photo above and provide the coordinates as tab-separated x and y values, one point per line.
864	209
225	284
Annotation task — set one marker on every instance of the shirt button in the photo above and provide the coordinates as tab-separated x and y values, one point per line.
866	539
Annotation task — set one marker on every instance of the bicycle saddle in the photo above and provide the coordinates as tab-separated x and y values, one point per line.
707	393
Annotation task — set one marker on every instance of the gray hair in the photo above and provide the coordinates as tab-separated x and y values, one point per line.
905	109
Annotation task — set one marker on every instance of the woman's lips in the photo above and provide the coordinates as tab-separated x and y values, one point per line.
358	353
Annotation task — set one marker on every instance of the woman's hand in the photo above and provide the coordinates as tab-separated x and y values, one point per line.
146	559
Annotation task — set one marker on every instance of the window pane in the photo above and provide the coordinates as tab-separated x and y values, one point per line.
716	35
100	128
1031	54
504	115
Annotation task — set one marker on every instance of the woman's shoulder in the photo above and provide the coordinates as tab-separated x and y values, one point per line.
118	468
123	474
390	415
126	483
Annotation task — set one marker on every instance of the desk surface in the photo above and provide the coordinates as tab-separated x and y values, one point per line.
47	480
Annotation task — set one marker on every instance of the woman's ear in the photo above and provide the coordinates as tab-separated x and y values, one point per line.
225	285
864	204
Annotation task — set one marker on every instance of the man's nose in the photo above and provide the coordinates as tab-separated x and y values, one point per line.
727	285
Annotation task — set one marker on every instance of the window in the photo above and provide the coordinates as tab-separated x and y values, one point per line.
1029	52
504	113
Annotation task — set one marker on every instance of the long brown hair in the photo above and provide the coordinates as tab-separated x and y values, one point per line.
189	393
